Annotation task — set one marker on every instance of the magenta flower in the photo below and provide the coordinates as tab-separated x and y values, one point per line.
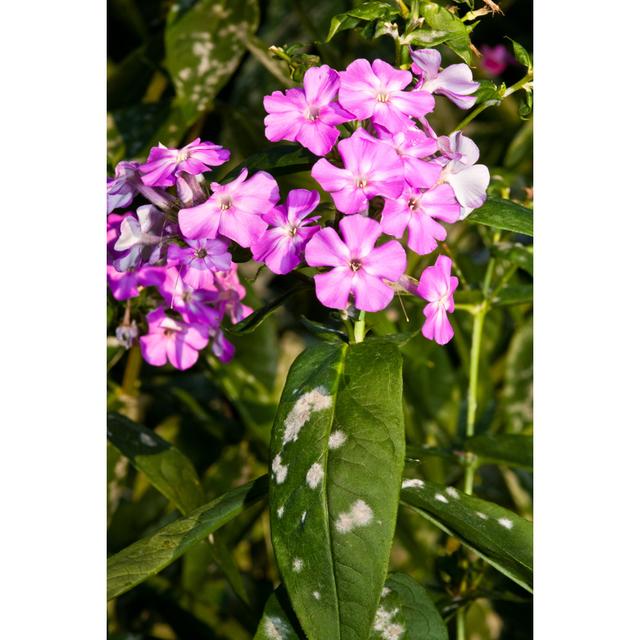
220	346
233	210
121	189
359	268
282	246
455	82
437	286
199	260
162	165
308	116
495	59
369	170
468	180
124	284
231	293
376	92
169	339
140	238
413	145
418	210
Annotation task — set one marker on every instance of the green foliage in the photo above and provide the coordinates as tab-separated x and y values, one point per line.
503	214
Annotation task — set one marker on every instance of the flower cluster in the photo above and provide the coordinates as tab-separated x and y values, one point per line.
369	121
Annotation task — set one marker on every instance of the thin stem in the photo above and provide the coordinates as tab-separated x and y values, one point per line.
359	328
132	371
461	633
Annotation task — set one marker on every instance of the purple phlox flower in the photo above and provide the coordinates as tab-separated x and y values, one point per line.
310	115
418	210
199	259
231	293
282	246
455	81
140	237
222	348
376	92
359	268
190	189
195	305
495	59
369	170
126	284
233	210
163	163
412	146
172	340
437	286
468	179
121	189
114	220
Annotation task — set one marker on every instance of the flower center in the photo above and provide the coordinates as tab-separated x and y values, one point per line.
168	332
312	113
183	155
413	204
382	97
361	182
292	231
354	265
201	254
225	203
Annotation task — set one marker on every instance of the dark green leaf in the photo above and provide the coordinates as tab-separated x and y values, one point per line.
204	45
510	449
278	621
521	54
406	611
515	294
504	214
323	331
526	104
489	91
501	537
424	38
148	556
337	453
167	468
439	19
366	12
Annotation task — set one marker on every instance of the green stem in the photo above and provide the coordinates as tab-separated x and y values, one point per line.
460	624
132	371
359	328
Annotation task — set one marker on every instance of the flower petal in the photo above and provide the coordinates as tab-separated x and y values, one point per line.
333	287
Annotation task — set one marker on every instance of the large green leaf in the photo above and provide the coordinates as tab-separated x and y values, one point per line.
365	12
204	45
406	611
148	556
504	214
504	448
441	20
501	537
337	451
167	468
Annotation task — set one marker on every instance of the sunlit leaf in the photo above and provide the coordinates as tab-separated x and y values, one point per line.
504	214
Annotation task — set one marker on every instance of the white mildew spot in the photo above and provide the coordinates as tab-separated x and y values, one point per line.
274	629
359	515
451	491
482	516
306	404
385	592
337	439
279	469
316	595
505	522
412	483
303	517
383	624
440	498
280	512
315	475
297	565
147	440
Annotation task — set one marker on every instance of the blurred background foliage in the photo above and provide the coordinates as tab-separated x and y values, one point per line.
178	70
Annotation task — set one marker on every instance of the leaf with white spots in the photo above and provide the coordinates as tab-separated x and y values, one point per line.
501	537
339	432
167	468
278	621
406	612
204	46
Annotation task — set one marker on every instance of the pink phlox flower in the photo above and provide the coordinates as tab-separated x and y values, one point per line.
231	293
437	286
126	284
121	189
199	260
359	268
418	209
369	170
195	305
163	163
233	210
222	348
376	91
173	340
468	179
282	246
413	145
495	59
140	238
455	81
310	115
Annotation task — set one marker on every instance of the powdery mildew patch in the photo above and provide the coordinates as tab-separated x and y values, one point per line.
440	498
147	440
306	404
385	592
316	595
337	439
280	512
279	469
453	492
315	475
412	483
303	517
505	522
482	516
274	629
359	515
297	565
383	623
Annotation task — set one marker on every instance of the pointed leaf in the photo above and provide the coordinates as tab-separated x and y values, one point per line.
278	621
501	537
337	450
504	448
148	556
504	214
